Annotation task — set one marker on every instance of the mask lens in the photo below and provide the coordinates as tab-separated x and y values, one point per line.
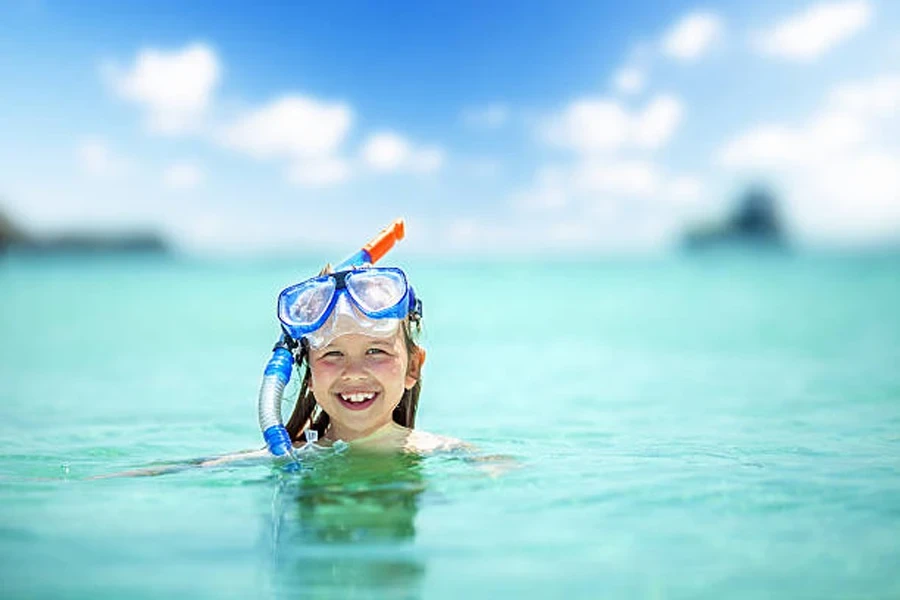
346	319
309	303
375	291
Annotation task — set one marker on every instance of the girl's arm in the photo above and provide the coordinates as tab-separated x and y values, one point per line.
245	455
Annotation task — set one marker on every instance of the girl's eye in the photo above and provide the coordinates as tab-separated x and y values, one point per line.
375	351
332	354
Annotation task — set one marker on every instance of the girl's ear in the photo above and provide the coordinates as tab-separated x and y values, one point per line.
414	371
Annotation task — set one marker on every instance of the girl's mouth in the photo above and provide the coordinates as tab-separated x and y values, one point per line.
357	400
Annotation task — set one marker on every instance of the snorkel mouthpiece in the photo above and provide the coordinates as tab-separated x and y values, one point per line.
280	366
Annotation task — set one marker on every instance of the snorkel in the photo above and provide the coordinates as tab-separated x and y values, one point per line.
280	366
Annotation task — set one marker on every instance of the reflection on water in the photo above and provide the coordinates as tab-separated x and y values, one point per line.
345	528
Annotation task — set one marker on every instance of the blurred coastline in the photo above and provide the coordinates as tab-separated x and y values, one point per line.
15	237
753	226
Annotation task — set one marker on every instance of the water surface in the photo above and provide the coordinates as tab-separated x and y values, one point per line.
706	427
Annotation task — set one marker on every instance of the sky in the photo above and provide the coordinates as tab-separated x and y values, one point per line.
491	127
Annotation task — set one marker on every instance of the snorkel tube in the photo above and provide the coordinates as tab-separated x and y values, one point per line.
377	247
280	366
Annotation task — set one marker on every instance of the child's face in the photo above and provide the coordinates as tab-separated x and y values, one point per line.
359	380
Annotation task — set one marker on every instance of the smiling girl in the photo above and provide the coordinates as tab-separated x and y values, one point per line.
352	335
353	338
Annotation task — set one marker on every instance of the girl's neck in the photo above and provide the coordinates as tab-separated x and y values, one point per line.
336	432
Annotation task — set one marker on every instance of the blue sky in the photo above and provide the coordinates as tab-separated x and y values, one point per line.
560	127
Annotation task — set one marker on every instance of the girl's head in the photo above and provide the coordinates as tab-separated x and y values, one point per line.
359	373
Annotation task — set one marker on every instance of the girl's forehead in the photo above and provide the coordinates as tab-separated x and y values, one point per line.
355	340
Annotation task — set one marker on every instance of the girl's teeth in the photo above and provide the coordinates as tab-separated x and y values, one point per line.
357	397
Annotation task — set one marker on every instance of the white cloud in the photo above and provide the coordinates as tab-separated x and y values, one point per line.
96	159
604	182
629	80
617	177
655	125
177	90
608	204
853	113
549	191
387	151
692	36
767	146
291	126
840	169
810	34
591	125
878	97
183	176
491	116
320	172
685	189
779	146
851	198
175	87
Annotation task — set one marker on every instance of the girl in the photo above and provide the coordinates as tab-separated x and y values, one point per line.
353	336
355	344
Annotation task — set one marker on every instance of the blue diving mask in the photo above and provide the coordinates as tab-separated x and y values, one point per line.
370	300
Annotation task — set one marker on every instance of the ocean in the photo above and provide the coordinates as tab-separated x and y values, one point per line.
724	425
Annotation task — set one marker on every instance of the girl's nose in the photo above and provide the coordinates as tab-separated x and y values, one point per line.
353	368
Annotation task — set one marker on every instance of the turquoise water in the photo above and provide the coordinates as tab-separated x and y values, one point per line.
722	426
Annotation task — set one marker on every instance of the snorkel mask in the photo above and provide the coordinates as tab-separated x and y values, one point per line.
356	298
367	300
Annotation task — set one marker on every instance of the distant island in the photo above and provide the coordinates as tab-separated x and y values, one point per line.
14	237
755	222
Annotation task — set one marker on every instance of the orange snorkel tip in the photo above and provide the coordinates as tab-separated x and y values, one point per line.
376	248
379	245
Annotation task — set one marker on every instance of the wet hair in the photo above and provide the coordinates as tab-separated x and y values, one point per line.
307	412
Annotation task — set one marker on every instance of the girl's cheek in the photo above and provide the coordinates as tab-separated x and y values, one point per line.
325	369
387	365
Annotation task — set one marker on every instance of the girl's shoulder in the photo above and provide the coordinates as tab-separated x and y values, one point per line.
424	442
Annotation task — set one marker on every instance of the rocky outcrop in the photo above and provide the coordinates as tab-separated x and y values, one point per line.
755	222
10	233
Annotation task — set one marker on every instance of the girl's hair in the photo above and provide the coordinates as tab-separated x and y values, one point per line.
308	414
